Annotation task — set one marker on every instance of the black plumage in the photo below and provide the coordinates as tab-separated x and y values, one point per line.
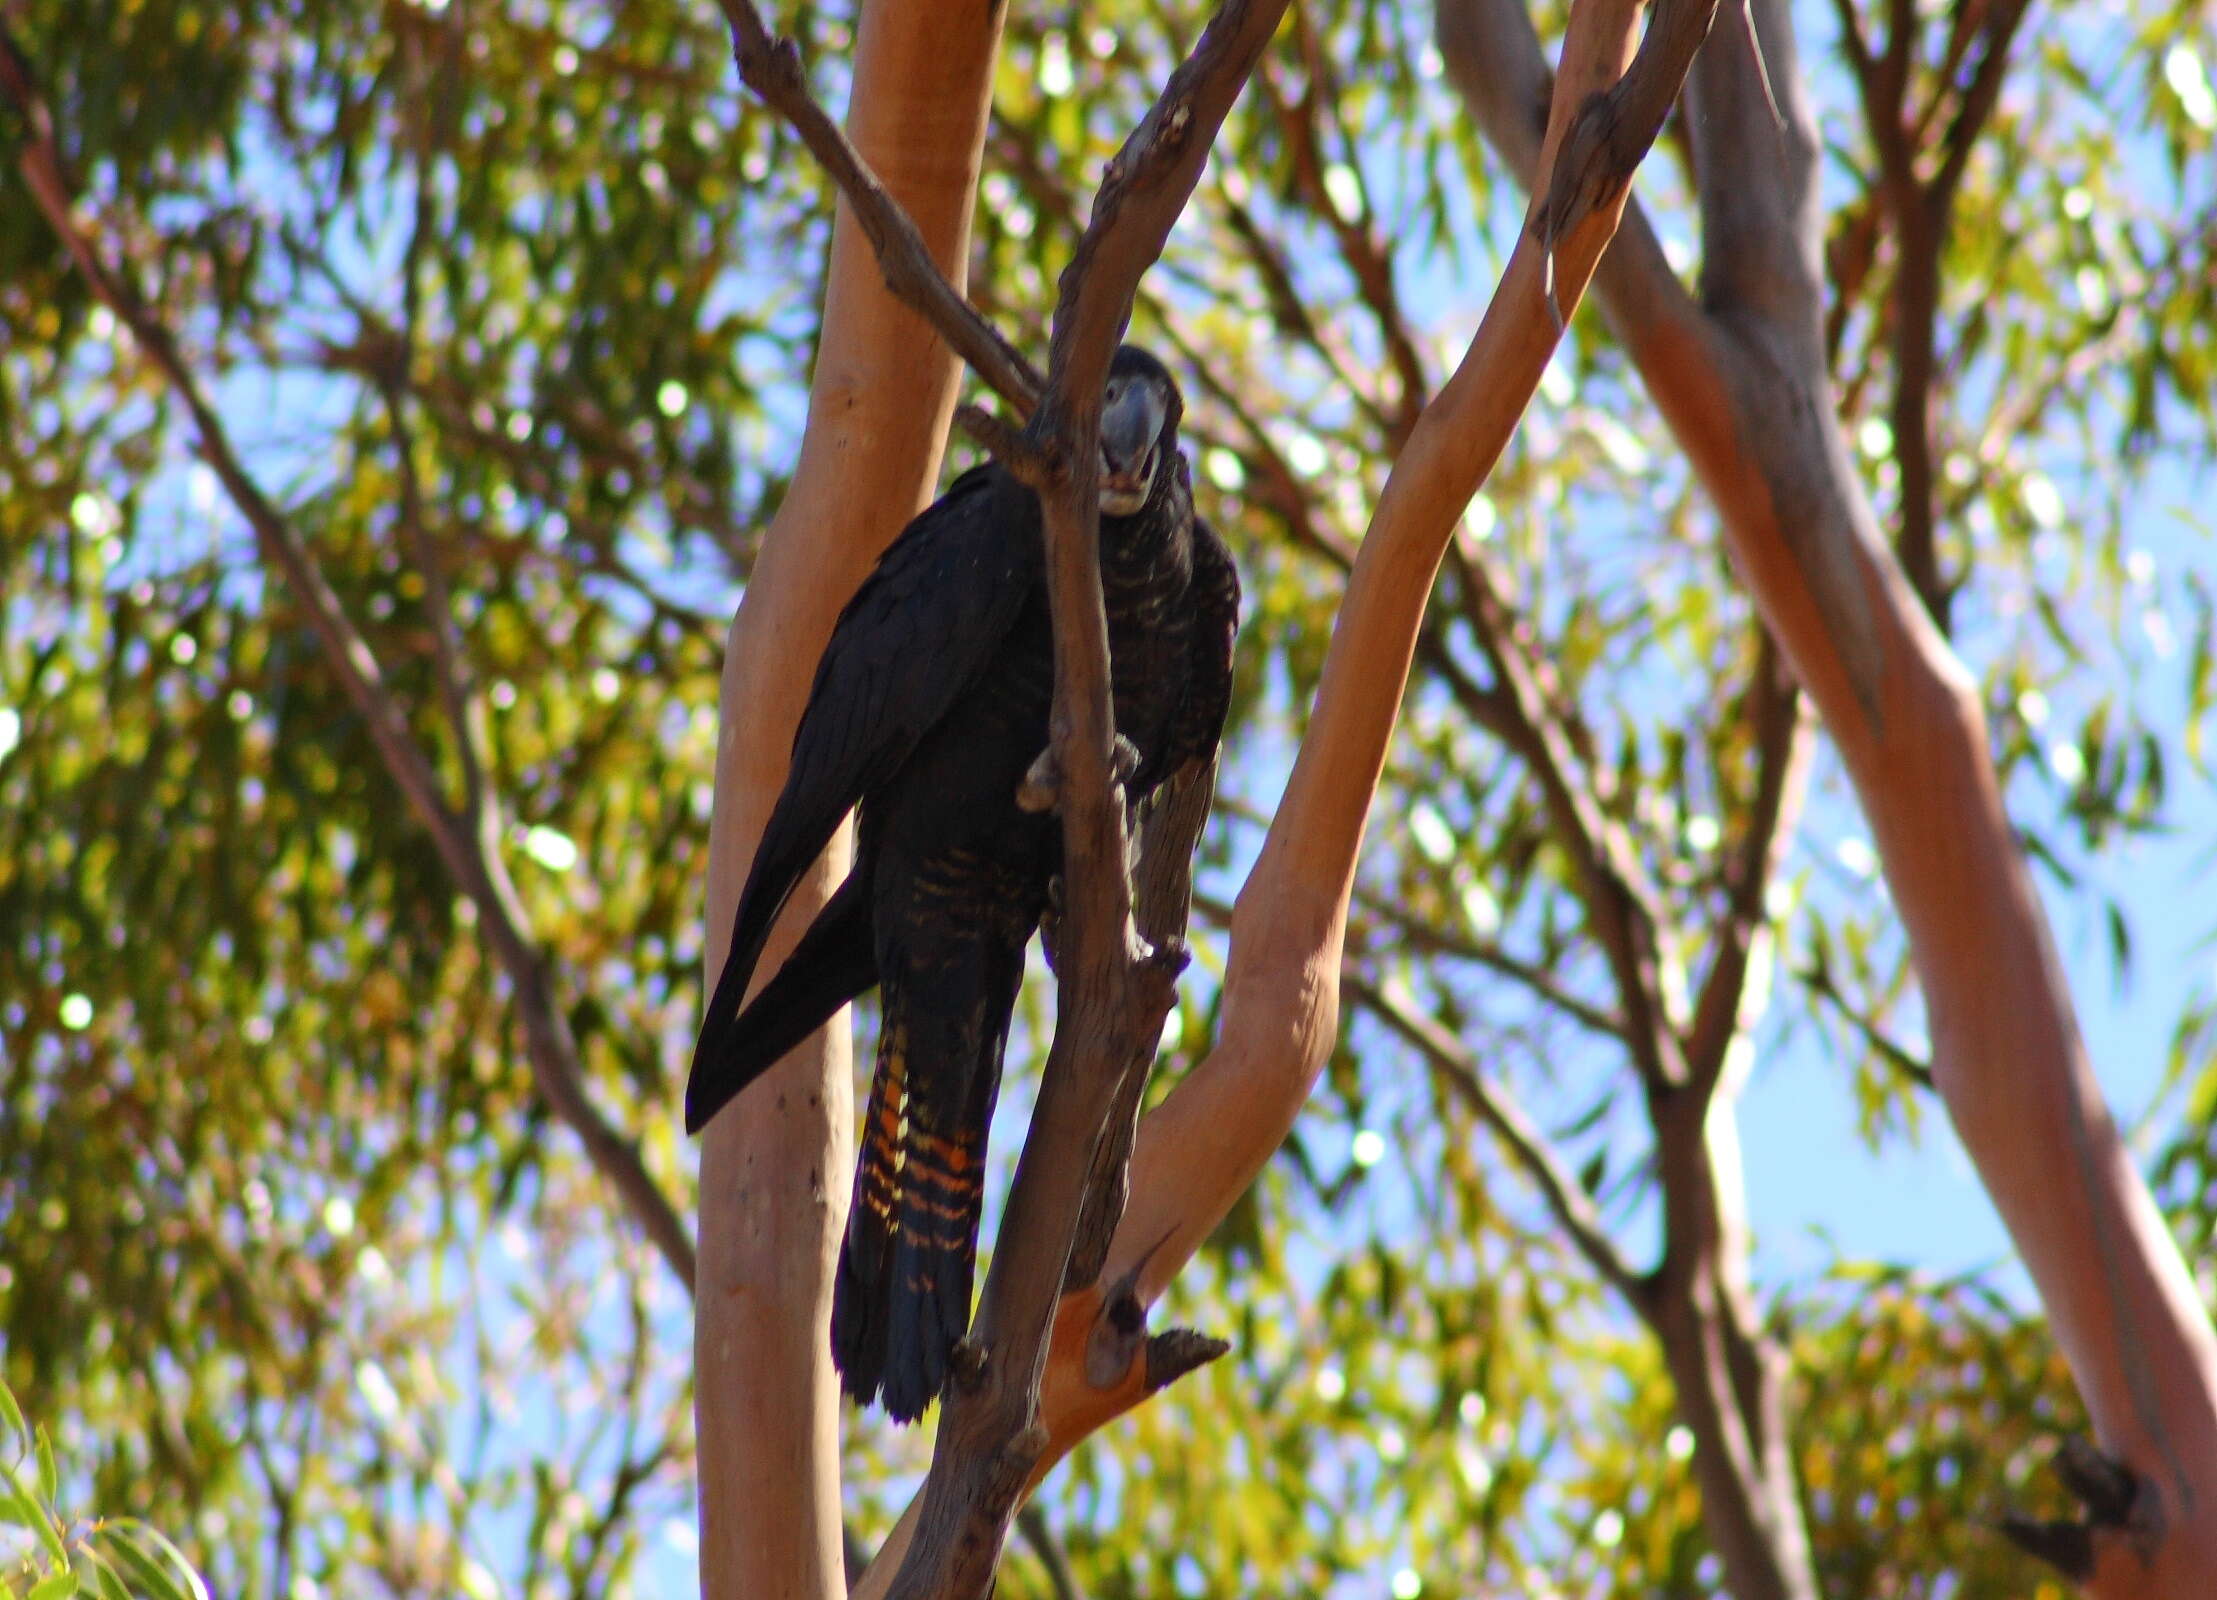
928	710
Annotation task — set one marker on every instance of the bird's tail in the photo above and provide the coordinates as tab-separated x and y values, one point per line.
902	1297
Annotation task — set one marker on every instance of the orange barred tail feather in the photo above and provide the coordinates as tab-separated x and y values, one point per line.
902	1296
858	1323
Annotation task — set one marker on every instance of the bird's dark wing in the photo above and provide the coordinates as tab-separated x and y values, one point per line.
1214	596
913	639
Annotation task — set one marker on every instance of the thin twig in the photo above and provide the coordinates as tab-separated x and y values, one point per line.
1621	903
1818	980
1434	940
1052	1556
1565	1196
1783	739
1976	107
1542	981
1921	210
771	67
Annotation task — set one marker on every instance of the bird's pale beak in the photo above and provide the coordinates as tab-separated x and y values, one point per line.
1131	423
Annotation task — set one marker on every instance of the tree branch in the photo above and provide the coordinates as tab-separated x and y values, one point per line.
1820	982
1162	900
1729	1384
1494	61
1621	904
550	1047
1368	259
1976	108
1746	393
1783	741
1922	212
1613	130
1519	1134
771	67
1884	86
1541	980
1052	1556
775	1164
2121	1520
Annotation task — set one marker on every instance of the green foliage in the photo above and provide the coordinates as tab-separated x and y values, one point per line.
112	1558
291	1252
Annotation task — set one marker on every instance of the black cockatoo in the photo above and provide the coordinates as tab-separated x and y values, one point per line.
928	710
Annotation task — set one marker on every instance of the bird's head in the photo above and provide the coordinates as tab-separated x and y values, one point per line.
1139	429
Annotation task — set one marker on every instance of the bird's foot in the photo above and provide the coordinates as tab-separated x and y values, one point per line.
1041	790
1042	785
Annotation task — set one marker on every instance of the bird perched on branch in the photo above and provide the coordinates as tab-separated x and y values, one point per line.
929	710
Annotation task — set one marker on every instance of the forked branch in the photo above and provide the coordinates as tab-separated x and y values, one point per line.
1742	380
771	67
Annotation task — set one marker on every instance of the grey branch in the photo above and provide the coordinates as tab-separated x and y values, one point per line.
1033	1522
1544	984
1782	738
1611	132
2117	1504
1175	1352
1819	981
1621	903
1761	320
1493	58
1162	897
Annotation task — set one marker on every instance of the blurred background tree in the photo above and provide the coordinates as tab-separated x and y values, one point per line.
338	1181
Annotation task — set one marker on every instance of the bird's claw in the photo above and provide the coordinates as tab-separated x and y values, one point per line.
1042	785
1041	790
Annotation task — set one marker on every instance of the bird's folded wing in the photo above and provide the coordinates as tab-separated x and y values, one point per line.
1208	693
913	640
